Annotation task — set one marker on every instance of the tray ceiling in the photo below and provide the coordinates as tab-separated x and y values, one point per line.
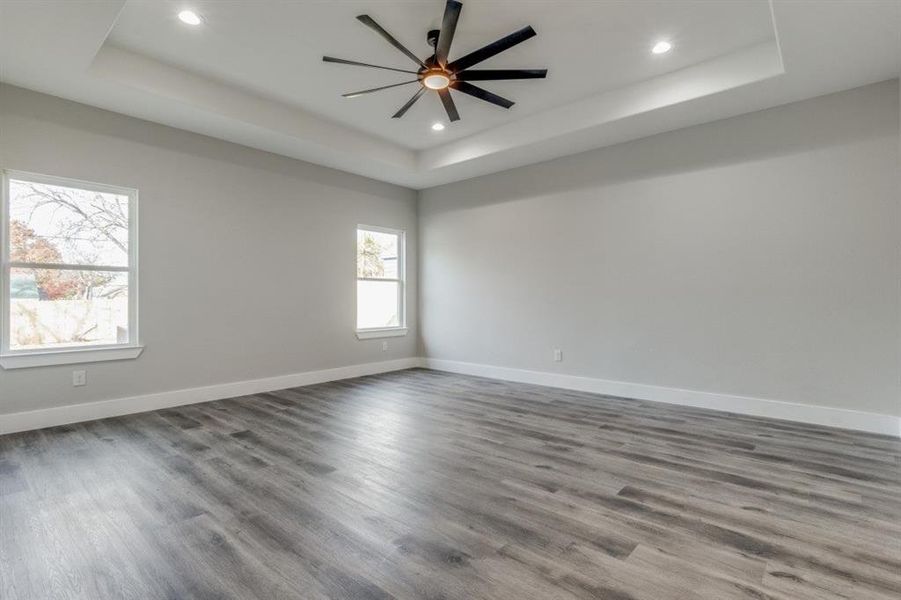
252	71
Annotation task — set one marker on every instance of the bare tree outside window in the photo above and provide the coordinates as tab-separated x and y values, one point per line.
68	251
379	279
369	257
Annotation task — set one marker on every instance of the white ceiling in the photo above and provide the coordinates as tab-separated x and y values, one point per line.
586	50
252	72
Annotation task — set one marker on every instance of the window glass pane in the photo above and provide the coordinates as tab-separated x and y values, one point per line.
377	304
56	224
377	254
52	308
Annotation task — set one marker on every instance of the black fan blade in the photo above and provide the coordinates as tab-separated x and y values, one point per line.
491	49
499	74
368	21
448	26
342	61
449	105
472	90
378	89
403	109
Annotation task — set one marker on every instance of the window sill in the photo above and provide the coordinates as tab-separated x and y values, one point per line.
370	334
26	360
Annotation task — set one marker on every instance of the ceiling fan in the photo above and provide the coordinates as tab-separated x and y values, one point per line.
439	74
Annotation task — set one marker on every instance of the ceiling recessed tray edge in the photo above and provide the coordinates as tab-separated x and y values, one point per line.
213	108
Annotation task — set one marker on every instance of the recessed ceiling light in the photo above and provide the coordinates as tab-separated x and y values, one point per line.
190	17
438	127
661	47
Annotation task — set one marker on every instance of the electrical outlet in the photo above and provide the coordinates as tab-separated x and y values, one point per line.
558	355
384	346
79	378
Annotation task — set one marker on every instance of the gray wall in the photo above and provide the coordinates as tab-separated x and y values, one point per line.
246	258
756	256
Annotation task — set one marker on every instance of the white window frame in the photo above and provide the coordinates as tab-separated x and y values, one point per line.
38	357
401	328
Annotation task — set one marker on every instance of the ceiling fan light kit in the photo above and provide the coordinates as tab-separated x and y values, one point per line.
435	79
436	73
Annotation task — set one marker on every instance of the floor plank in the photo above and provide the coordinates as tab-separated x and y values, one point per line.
421	484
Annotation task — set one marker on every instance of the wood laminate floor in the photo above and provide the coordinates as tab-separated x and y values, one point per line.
420	484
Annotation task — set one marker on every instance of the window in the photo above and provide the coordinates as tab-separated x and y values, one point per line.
69	277
380	282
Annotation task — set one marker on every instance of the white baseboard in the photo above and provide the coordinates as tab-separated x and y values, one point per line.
790	411
63	415
758	407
